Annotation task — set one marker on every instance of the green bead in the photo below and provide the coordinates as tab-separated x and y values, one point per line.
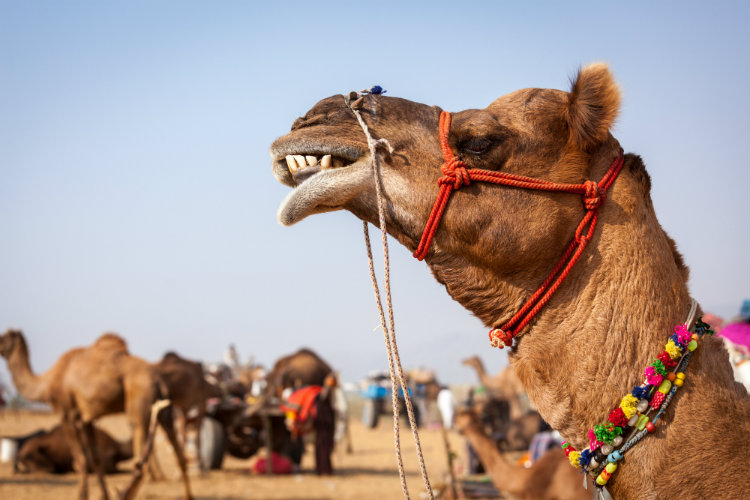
601	481
642	420
611	467
692	345
665	386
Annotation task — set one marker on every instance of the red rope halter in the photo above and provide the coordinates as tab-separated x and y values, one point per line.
456	174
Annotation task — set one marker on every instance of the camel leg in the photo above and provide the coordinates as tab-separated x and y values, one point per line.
89	442
166	420
79	457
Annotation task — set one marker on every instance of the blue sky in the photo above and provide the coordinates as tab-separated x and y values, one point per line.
135	186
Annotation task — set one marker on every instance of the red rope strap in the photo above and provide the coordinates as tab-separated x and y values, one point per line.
456	174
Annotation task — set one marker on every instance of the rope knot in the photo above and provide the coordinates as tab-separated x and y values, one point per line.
594	195
500	338
455	174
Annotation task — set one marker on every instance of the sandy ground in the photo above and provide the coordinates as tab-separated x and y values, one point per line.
368	472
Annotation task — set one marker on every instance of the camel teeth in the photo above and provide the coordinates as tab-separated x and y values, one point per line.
291	163
325	162
338	162
301	162
311	160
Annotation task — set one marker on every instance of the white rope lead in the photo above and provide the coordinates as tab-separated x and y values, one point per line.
394	361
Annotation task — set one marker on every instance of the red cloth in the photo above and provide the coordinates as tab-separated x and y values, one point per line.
279	464
302	405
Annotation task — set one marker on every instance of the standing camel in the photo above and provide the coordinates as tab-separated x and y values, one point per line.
88	383
551	477
188	390
496	244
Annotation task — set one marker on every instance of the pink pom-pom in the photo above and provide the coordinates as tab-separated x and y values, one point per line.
683	335
593	443
652	377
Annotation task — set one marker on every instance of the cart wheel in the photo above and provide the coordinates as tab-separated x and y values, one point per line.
213	442
370	413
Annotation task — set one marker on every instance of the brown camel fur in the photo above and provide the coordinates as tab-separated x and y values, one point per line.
551	477
299	369
188	389
503	385
88	383
495	245
50	452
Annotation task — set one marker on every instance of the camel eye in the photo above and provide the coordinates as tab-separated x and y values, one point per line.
476	145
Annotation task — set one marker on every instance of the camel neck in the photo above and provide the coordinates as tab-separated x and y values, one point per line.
29	385
511	478
620	302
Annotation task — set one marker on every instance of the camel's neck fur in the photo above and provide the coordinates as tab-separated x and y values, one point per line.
29	385
611	317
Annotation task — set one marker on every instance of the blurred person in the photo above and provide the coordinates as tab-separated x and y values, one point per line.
736	337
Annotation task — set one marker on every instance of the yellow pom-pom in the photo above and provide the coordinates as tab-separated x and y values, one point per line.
573	456
628	405
673	350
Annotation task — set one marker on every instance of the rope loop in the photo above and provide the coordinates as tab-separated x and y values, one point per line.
500	338
454	174
594	195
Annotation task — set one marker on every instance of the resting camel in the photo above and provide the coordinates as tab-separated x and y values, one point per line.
495	245
50	452
88	383
551	477
503	385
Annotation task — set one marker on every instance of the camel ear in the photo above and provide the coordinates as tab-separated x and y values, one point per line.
593	103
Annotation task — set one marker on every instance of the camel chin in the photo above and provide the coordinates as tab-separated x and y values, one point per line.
318	190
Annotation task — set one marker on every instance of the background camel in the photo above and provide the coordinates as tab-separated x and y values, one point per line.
495	245
295	370
188	391
503	385
87	383
551	477
49	451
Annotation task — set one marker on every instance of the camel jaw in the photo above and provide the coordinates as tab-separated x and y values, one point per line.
323	178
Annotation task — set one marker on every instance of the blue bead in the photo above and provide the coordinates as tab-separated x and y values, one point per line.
615	456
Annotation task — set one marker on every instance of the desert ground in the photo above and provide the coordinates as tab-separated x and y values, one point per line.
368	472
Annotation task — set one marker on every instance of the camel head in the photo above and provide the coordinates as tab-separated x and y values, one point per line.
547	134
10	341
465	419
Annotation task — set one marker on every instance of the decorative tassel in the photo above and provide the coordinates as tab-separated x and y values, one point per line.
673	350
628	405
618	418
607	432
666	360
593	443
639	392
657	400
652	376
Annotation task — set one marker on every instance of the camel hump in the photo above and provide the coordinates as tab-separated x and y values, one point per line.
111	341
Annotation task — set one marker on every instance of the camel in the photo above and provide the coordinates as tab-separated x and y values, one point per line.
504	385
296	370
49	451
90	382
188	390
551	477
495	245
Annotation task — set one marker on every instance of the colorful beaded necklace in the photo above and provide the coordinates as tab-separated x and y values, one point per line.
629	422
